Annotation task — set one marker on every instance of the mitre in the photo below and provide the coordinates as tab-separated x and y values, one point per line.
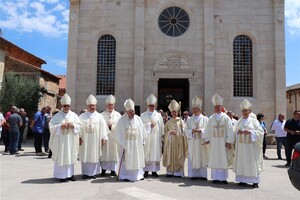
110	100
65	100
197	102
246	105
174	106
217	100
151	100
129	105
91	100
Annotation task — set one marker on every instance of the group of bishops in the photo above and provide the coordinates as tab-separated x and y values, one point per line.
130	146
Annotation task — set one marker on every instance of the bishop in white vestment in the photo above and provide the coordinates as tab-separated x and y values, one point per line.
197	152
64	128
154	126
219	133
91	138
248	147
130	134
110	154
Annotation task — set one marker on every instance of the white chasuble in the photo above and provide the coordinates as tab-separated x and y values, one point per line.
248	151
64	143
110	151
219	131
198	153
94	129
152	147
130	134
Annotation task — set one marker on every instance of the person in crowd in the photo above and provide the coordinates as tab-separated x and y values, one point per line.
54	113
46	134
219	133
260	118
292	127
197	152
248	147
110	153
92	136
154	126
130	135
280	134
186	116
231	115
2	122
64	141
175	143
26	125
15	122
37	126
23	116
5	134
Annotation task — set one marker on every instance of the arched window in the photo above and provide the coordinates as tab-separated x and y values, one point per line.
106	65
242	67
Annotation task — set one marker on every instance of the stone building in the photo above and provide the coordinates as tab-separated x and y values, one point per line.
16	59
178	49
292	99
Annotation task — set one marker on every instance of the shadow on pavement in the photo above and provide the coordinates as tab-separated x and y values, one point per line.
42	181
280	166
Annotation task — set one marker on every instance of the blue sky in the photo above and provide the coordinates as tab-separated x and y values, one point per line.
41	28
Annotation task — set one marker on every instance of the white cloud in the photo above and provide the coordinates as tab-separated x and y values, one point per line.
48	17
60	63
292	14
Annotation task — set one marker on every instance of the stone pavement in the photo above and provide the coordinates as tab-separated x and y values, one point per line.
27	176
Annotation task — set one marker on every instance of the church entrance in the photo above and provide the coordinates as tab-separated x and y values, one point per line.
169	89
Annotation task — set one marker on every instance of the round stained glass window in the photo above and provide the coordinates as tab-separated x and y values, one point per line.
173	21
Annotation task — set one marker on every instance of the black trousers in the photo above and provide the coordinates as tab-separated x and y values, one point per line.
5	139
46	137
21	137
264	147
38	139
291	141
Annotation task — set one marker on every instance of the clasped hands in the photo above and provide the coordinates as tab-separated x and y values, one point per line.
67	125
244	132
196	131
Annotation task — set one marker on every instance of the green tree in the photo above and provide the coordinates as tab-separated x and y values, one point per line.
20	91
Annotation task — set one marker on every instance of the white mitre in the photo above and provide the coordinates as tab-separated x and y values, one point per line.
197	102
246	105
151	100
110	100
174	106
65	100
91	100
217	100
129	105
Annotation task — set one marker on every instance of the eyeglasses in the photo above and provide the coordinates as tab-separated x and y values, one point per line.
66	106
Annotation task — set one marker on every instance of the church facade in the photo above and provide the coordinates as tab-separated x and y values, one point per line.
176	50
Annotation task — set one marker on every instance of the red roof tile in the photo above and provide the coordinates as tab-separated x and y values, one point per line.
62	81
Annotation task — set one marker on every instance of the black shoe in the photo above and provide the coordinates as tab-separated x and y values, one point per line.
142	179
146	174
154	174
113	173
20	149
215	181
194	178
103	172
242	184
255	185
72	178
169	176
224	182
62	180
203	178
126	180
92	177
287	164
85	176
